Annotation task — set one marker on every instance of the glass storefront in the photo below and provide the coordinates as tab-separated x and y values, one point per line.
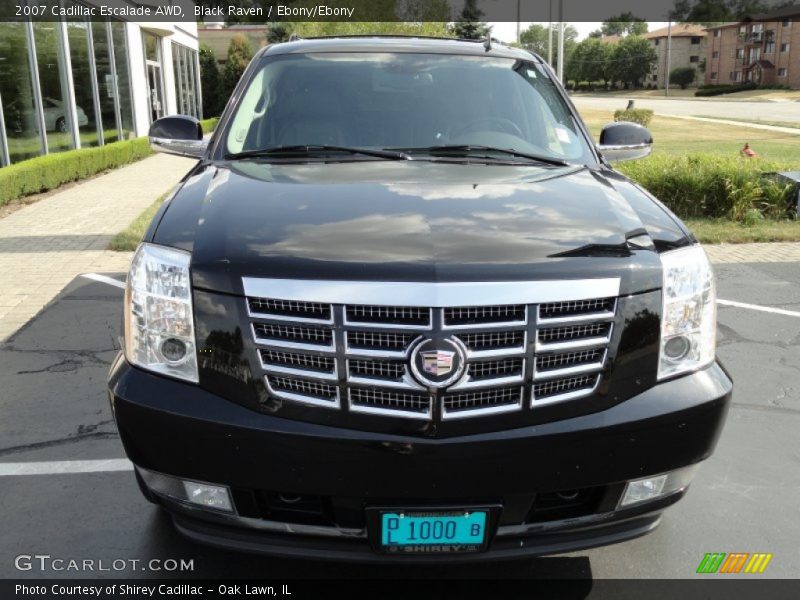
85	87
185	67
16	93
70	84
53	86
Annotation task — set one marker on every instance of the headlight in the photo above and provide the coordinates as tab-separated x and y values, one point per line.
689	312
159	321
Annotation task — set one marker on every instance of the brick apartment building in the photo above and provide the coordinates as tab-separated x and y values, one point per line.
687	49
765	51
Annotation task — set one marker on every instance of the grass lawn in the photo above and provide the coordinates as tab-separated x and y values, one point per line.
686	136
716	231
130	238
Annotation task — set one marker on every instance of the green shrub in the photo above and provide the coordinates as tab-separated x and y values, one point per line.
713	186
642	116
718	90
682	76
45	173
209	124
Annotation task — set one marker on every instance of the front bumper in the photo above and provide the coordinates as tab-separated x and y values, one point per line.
181	430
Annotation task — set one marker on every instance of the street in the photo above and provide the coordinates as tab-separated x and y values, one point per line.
54	408
787	111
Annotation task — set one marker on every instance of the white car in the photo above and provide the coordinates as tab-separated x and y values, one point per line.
55	115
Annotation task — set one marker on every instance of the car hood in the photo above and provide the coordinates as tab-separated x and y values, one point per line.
405	221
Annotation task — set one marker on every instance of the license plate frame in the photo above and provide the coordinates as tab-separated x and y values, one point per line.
376	528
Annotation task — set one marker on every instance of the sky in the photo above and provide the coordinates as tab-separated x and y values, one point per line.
507	32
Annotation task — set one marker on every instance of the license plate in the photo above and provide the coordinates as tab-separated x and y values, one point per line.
433	532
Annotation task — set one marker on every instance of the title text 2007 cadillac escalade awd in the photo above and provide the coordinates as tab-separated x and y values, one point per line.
402	308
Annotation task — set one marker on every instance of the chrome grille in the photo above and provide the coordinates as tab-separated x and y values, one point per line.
289	308
482	315
492	369
389	315
380	369
575	308
495	400
547	391
384	401
518	355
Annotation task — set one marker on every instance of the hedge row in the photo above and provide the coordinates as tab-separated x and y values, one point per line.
642	116
714	186
47	172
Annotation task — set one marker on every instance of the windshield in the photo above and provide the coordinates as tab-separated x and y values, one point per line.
413	102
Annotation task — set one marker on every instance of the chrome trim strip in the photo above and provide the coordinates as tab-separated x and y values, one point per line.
284	318
468	383
273	342
384	325
478	412
563	397
572	345
307	373
365	353
567	371
303	399
489	324
429	294
603	316
404	414
499	353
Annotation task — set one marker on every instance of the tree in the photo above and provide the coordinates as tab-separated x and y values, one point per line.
624	24
534	38
633	58
210	82
469	25
277	32
591	61
239	54
682	76
710	12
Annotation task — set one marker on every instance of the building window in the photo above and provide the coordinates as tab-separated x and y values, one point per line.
743	29
732	76
713	75
155	81
769	48
85	85
786	22
716	33
184	62
715	54
785	47
16	91
740	53
695	40
656	42
694	59
782	72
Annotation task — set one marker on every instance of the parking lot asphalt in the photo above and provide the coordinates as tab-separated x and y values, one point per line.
54	408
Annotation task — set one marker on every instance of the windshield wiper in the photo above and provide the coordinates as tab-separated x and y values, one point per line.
316	149
469	149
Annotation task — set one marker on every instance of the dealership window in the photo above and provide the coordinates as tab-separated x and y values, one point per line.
105	82
785	47
122	70
53	86
20	120
782	72
184	62
81	57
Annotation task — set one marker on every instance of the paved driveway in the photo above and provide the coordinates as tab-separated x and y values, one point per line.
788	111
54	409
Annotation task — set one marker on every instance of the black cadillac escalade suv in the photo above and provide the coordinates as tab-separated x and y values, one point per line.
402	308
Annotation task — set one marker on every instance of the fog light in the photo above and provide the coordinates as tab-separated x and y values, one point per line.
207	495
677	348
212	496
657	486
173	350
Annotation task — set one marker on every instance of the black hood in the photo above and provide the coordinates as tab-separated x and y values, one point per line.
406	221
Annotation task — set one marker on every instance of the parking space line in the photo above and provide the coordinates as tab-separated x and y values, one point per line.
60	467
767	309
104	279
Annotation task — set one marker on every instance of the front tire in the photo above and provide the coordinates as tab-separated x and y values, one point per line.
61	125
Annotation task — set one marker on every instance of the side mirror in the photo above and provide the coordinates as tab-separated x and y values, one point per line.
624	141
179	135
